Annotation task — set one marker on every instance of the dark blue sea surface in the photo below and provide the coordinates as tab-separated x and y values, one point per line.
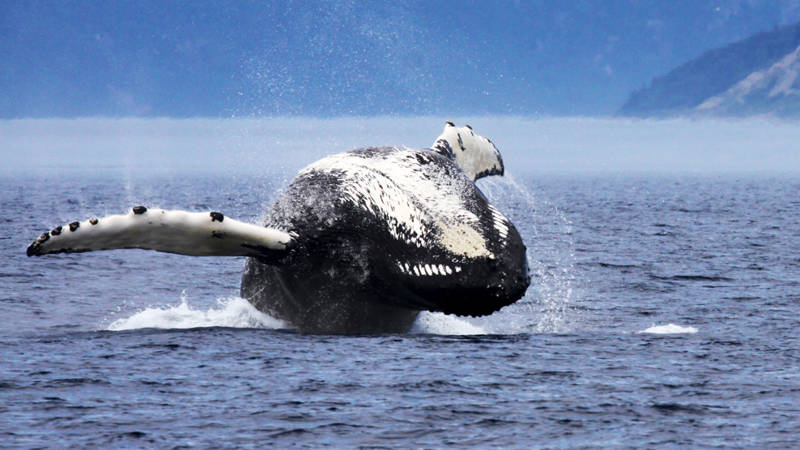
664	311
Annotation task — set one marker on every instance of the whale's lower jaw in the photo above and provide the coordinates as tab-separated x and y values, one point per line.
318	302
472	302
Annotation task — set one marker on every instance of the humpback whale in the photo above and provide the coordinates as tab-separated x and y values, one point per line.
359	242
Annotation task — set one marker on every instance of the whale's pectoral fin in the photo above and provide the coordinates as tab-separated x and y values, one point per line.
182	232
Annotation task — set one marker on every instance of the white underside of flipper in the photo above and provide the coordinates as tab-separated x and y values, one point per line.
182	232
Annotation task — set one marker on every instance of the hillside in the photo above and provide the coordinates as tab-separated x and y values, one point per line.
752	76
774	90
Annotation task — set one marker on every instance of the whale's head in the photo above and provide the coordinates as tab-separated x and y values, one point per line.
474	154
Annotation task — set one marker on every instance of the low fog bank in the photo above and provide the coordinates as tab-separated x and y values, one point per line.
558	145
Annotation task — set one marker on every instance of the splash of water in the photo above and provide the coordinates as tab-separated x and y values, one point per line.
440	323
232	312
548	234
237	312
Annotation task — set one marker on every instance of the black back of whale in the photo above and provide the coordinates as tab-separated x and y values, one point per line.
352	271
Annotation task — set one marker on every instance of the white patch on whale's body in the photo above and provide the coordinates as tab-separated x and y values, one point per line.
500	222
423	269
407	196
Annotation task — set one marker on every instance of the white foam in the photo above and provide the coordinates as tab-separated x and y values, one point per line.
669	329
440	323
233	312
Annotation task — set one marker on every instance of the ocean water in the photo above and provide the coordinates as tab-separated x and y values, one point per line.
664	311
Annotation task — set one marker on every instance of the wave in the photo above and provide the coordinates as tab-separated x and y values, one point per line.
690	277
670	328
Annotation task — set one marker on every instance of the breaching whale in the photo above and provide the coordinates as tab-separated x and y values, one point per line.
359	242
